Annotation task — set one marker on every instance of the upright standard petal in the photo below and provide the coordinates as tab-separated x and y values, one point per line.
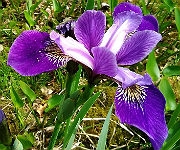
125	6
90	27
124	23
137	47
149	22
104	62
73	49
29	53
143	107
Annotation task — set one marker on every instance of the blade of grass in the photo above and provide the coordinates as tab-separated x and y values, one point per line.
72	8
168	93
112	4
177	19
15	98
169	3
29	18
70	144
173	137
144	8
171	71
27	90
152	67
103	135
34	6
57	6
98	4
31	96
90	4
174	116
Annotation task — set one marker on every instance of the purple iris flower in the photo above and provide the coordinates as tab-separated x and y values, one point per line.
34	52
129	40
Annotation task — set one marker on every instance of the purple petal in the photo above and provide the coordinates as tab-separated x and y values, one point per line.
125	6
146	80
73	48
127	77
149	22
29	53
124	23
104	62
2	116
89	28
137	47
143	107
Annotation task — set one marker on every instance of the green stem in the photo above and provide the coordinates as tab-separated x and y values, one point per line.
69	81
86	95
57	127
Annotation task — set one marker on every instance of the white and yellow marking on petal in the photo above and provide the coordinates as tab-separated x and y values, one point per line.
134	94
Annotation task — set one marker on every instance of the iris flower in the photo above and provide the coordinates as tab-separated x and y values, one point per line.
129	40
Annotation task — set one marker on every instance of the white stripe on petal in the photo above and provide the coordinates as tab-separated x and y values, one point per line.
73	48
124	23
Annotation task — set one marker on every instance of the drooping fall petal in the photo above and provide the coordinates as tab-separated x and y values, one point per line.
30	54
143	107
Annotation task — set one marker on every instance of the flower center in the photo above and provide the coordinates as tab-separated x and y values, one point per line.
134	95
54	54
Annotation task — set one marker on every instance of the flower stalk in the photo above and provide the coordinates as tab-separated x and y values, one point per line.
64	106
85	95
